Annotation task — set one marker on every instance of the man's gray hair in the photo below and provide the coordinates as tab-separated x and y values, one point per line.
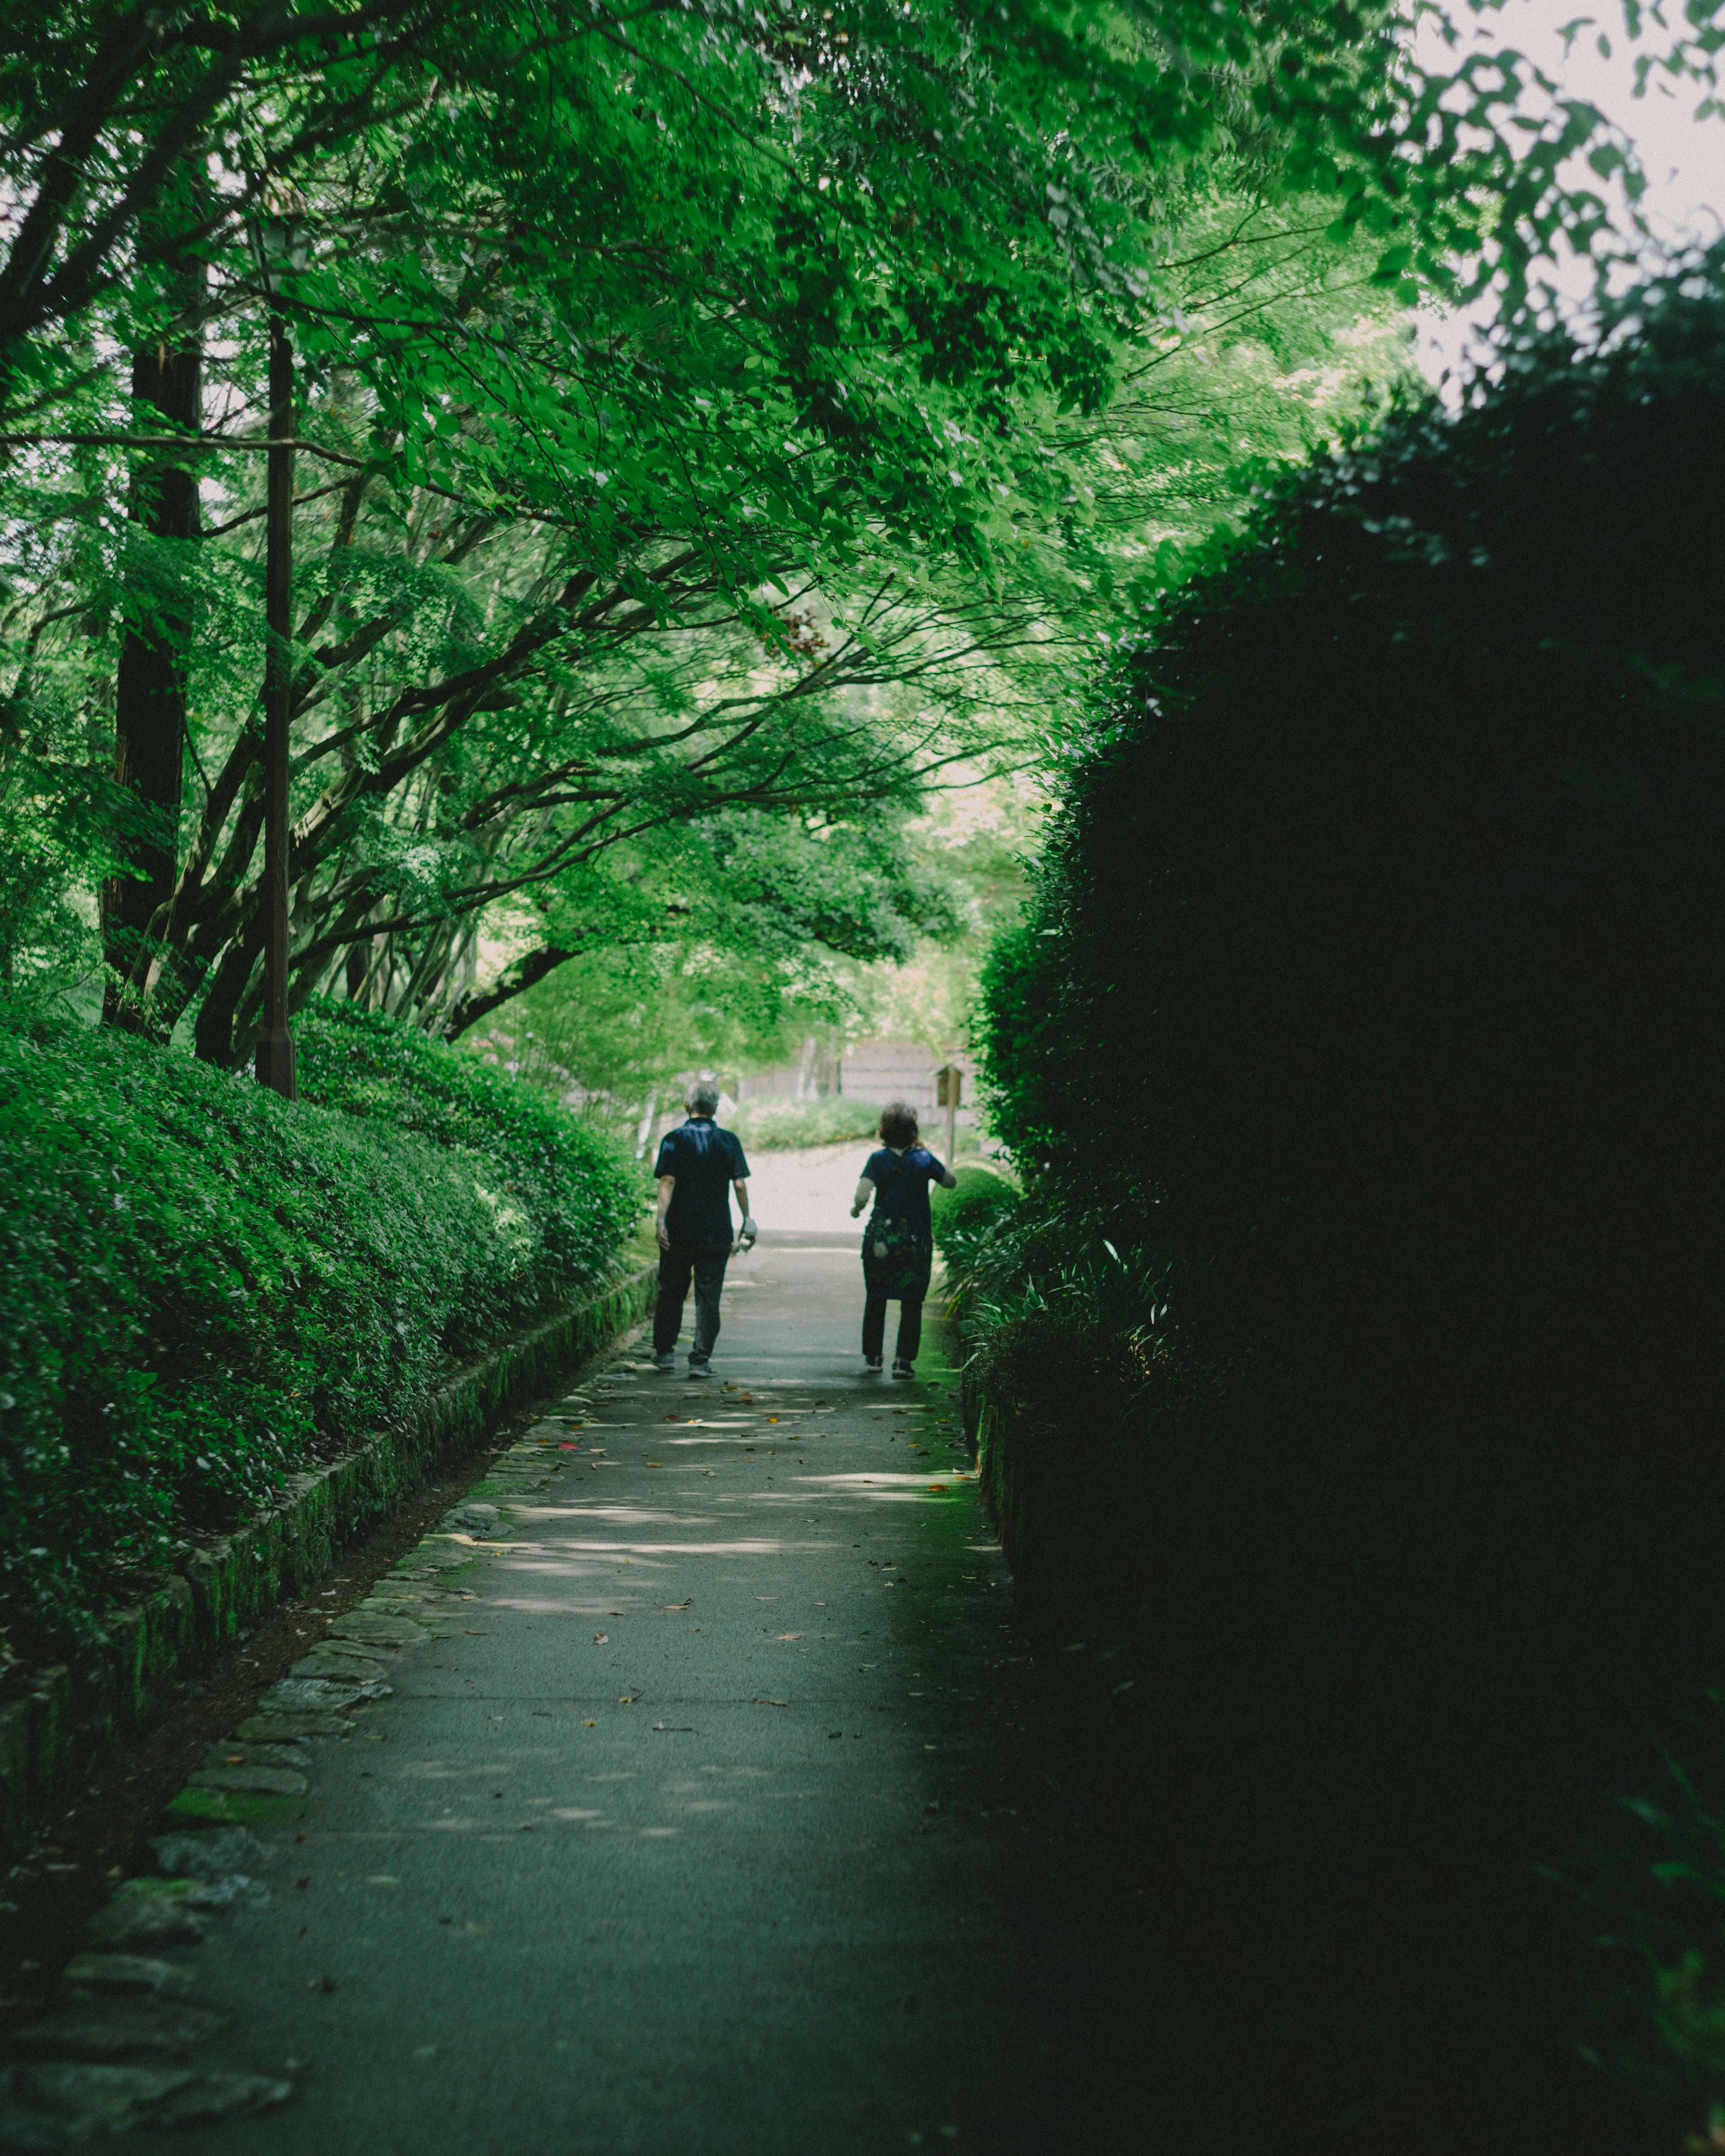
703	1097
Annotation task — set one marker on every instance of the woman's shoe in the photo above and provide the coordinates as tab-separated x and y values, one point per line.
873	1363
904	1369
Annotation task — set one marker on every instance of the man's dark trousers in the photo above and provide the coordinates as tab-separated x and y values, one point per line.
706	1262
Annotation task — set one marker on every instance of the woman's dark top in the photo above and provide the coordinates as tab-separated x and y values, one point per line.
902	1222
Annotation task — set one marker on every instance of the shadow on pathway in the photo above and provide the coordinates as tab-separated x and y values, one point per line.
717	1819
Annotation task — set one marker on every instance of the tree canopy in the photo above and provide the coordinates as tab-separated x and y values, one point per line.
702	412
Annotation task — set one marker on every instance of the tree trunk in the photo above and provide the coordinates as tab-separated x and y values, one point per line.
150	705
275	1061
515	980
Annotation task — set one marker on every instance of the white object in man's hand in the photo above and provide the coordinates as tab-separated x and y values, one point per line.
746	1234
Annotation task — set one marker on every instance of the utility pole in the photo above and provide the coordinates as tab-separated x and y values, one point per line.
275	1064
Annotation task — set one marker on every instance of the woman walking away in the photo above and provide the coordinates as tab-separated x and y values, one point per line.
898	1248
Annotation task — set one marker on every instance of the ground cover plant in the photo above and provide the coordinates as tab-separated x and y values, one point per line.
774	1125
204	1288
1381	1295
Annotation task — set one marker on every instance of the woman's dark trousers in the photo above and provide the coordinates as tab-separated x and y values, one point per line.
909	1328
705	1261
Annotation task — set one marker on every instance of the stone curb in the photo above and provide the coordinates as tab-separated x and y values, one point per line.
115	2050
53	1738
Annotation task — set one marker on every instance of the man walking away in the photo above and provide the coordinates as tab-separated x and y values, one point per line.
696	1164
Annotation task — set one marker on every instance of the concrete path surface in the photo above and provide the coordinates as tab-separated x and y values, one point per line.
700	1818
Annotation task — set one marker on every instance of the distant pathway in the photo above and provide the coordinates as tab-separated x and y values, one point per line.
700	1829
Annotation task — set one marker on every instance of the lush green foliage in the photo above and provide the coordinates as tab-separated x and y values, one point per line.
1362	1050
964	1215
772	1125
705	408
204	1289
1652	1887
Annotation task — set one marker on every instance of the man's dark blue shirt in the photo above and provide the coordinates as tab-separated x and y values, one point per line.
706	1161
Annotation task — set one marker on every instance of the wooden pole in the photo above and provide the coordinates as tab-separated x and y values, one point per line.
275	1065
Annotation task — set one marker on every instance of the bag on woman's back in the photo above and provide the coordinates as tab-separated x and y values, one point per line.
890	1237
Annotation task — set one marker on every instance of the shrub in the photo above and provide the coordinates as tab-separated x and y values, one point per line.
963	1216
203	1288
1391	880
772	1126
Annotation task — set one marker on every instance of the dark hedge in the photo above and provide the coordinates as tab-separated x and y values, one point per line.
1374	1009
203	1289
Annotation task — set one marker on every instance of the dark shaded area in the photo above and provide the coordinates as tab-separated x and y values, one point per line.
1373	1012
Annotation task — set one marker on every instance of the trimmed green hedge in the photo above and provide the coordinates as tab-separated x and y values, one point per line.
203	1289
1363	1052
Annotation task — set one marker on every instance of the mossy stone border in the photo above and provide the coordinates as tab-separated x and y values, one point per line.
74	1715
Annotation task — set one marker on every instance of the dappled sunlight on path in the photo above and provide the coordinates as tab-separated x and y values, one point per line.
685	1835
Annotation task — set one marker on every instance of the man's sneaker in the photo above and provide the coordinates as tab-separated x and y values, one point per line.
872	1362
698	1366
902	1369
665	1361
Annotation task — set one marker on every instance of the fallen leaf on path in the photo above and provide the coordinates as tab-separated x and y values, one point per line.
626	1699
589	1723
937	1486
476	1635
601	1638
676	1606
769	1702
790	1635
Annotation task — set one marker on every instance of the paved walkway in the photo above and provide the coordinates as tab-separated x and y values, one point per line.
701	1825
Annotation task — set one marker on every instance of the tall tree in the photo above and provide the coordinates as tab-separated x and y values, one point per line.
632	337
150	690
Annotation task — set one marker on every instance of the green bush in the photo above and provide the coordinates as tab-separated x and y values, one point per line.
773	1126
964	1215
1370	1009
203	1289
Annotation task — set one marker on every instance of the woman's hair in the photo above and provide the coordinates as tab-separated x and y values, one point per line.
898	1125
